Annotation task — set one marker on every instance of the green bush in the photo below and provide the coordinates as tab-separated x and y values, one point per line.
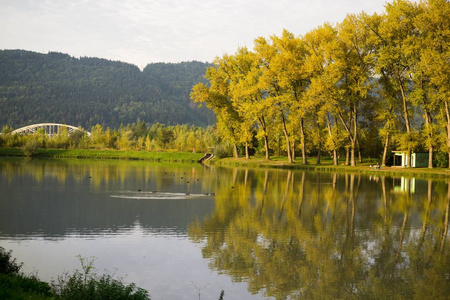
8	265
14	285
31	147
22	287
440	160
88	285
76	286
221	151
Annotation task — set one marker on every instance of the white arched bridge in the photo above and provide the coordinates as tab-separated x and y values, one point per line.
49	128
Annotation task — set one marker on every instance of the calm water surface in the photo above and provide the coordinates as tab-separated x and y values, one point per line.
173	229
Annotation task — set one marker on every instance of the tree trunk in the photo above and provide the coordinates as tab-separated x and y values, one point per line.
293	150
347	156
352	153
330	133
351	140
266	147
386	148
286	135
262	122
319	146
302	140
355	134
428	121
359	151
247	156
235	151
447	114
405	116
428	127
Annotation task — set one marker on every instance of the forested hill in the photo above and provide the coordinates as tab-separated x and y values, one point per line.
56	87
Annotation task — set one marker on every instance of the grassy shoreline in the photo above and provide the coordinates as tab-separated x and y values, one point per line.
327	166
107	154
253	162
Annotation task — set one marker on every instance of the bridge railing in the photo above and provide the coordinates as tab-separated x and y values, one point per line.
49	128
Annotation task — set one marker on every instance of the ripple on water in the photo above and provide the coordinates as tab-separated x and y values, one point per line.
158	195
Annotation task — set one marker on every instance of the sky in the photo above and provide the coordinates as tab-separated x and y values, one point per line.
149	31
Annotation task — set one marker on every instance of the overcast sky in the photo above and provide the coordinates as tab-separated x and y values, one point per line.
146	31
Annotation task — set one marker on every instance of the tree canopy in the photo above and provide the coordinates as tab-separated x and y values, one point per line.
369	84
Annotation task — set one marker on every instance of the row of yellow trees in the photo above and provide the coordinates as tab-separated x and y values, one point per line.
386	73
136	136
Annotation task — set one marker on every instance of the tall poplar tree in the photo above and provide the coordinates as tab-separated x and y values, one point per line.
354	59
394	62
294	80
432	72
276	95
217	98
324	76
247	97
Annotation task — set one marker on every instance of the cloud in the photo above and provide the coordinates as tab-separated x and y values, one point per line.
143	31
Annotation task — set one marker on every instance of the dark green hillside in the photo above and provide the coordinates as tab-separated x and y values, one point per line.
56	87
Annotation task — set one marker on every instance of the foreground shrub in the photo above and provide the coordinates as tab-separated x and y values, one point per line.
14	285
79	285
22	287
8	265
88	285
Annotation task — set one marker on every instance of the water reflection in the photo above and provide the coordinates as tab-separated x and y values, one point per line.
286	234
328	236
57	198
131	215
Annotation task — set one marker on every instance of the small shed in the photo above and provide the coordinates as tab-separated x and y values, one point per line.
418	159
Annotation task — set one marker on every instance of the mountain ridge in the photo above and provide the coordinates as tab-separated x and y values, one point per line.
85	91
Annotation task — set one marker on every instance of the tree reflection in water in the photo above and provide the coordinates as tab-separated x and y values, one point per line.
330	236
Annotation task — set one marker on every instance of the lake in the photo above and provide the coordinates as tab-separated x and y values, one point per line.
178	230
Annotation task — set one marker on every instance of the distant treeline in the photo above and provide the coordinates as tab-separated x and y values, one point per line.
135	136
55	87
365	86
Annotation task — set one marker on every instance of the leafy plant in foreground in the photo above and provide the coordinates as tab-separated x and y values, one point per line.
86	284
15	285
8	265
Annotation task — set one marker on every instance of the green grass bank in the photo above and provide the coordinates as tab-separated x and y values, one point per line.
168	156
326	164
